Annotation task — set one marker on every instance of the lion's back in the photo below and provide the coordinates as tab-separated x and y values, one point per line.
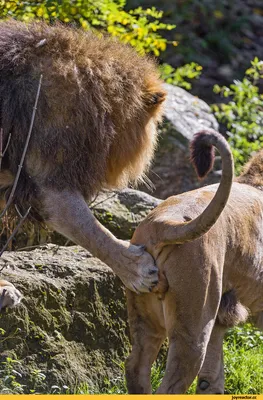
76	63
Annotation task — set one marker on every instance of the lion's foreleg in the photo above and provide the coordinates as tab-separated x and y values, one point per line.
68	213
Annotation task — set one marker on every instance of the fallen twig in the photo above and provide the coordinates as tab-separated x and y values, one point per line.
18	211
10	198
58	246
1	146
92	205
2	153
36	246
14	232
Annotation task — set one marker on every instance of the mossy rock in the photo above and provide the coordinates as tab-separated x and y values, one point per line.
71	325
122	211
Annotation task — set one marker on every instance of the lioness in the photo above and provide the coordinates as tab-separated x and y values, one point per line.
214	280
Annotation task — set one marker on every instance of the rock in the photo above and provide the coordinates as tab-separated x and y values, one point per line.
71	325
172	172
187	113
122	211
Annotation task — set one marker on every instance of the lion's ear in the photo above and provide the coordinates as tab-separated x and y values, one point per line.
158	98
154	99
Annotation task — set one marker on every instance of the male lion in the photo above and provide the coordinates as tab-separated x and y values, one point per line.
95	128
214	278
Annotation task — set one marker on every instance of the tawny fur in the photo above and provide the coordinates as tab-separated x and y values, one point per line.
208	284
252	173
95	128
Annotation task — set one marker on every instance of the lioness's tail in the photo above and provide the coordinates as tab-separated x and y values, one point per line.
202	156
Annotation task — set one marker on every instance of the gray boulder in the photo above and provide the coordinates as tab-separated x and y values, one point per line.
122	211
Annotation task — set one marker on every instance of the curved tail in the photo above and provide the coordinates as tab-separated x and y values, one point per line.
202	156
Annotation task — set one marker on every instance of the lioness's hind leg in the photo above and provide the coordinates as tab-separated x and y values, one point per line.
183	364
147	335
211	376
190	313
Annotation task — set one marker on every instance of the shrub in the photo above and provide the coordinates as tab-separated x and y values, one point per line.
138	27
180	76
243	114
142	28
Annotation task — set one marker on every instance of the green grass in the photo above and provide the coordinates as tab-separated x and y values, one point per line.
243	357
243	360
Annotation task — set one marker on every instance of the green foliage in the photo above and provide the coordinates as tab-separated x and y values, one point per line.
210	31
141	28
9	377
243	354
243	114
181	75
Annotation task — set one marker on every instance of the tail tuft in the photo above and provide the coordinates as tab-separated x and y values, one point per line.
202	154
